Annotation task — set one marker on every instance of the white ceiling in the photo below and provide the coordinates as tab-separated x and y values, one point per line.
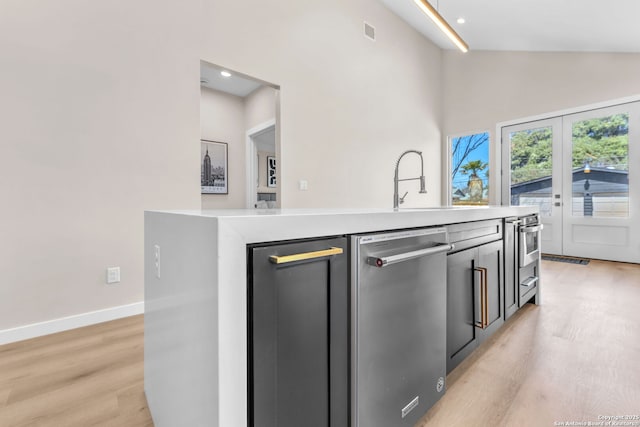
236	85
532	25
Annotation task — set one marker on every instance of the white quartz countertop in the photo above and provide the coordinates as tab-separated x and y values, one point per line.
264	225
197	307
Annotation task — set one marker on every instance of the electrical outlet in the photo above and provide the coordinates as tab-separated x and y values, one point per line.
156	253
303	185
113	275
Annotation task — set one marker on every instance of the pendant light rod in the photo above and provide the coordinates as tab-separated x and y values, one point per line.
432	13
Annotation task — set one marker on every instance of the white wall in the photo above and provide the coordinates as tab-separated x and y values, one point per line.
100	108
99	113
348	106
222	119
484	88
259	107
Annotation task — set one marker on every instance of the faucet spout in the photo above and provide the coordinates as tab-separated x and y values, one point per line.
396	198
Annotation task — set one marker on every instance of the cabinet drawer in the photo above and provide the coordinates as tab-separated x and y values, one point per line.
470	234
529	277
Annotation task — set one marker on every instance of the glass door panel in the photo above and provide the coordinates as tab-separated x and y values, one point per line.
531	168
600	216
534	153
600	167
579	170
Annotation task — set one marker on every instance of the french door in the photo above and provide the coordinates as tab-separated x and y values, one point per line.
582	171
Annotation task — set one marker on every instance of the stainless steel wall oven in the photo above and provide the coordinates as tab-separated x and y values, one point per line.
522	262
529	240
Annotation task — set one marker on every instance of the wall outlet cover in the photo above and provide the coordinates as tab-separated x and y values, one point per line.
156	256
113	275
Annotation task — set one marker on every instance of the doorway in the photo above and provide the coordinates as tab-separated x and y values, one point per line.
241	113
580	170
262	184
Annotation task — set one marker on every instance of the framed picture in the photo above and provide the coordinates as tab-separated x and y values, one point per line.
213	168
271	171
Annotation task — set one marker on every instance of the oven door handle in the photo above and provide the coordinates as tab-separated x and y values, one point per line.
533	229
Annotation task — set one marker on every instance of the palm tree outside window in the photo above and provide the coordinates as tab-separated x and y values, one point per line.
470	169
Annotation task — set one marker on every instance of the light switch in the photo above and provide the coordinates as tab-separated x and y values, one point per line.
303	185
113	275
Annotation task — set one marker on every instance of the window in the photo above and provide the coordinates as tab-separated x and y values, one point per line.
600	162
470	169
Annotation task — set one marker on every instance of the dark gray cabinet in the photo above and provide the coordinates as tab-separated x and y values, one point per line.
511	286
298	334
475	299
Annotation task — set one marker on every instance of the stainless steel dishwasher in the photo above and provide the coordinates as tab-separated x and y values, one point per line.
398	303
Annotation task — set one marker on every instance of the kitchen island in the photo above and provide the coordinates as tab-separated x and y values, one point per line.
196	339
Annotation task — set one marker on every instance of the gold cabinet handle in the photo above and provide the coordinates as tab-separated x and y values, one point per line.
484	298
275	259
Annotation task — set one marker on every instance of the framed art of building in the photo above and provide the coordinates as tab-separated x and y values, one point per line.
213	167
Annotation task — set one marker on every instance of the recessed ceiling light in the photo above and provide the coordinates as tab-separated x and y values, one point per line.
461	21
225	74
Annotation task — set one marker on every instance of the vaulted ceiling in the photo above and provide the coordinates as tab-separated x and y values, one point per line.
532	25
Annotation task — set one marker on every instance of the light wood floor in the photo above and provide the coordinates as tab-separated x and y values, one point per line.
90	376
575	357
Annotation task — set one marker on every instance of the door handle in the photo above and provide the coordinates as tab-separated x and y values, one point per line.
530	281
484	298
276	259
532	229
394	259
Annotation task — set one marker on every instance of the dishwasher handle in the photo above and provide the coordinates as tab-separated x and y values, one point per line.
406	256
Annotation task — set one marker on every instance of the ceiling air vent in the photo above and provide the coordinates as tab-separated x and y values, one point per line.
369	31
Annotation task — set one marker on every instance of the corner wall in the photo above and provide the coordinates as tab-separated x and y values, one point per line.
484	88
349	106
101	103
99	117
222	119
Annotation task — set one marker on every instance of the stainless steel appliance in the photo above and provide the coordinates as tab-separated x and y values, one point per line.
529	231
529	246
398	325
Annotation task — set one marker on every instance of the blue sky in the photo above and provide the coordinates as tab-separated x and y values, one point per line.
480	153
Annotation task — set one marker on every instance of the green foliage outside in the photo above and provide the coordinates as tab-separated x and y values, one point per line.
473	166
601	142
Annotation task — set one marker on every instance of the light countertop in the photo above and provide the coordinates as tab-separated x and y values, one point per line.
264	225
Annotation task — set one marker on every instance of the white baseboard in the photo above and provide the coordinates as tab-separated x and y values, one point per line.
71	322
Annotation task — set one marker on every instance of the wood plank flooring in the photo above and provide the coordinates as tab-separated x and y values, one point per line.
90	376
573	358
